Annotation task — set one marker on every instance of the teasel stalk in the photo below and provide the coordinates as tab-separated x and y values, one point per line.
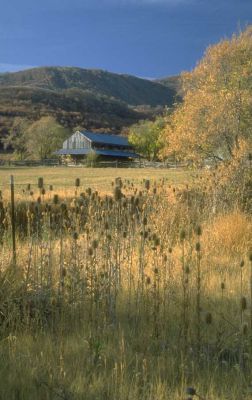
184	295
241	288
198	294
250	262
142	258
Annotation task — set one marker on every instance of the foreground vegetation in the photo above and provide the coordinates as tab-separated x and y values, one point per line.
133	294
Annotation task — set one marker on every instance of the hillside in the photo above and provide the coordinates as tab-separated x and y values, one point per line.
92	99
71	108
173	83
129	89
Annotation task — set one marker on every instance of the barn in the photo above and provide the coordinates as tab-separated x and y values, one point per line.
107	147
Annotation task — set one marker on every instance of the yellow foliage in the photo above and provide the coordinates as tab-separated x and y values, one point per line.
216	112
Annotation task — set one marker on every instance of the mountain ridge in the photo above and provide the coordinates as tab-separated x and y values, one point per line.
124	87
93	99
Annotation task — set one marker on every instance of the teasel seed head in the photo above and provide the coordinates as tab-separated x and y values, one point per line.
55	199
90	251
148	280
95	244
197	247
117	193
245	329
137	201
118	182
43	192
199	230
182	235
222	285
145	221
51	188
28	187
147	184
40	183
77	182
243	303
209	318
75	236
242	263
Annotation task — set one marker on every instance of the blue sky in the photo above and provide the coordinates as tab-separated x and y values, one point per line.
147	38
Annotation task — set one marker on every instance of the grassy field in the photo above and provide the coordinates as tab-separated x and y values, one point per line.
98	178
63	178
135	295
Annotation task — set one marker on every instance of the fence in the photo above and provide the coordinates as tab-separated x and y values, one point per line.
29	163
140	163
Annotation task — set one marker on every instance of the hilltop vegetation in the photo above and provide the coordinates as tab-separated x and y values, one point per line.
129	89
92	99
172	82
70	107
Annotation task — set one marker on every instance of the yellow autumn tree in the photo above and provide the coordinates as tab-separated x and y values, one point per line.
214	121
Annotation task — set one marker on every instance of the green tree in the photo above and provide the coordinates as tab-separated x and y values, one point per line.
145	137
44	137
16	139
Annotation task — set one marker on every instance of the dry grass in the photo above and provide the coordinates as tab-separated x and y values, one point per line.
125	297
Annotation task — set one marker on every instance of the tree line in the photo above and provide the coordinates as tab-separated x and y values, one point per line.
35	140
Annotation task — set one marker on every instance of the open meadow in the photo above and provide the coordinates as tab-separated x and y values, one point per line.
63	178
123	288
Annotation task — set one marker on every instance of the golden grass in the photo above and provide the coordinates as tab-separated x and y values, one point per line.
103	305
99	178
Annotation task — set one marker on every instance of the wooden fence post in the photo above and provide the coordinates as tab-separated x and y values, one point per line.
13	225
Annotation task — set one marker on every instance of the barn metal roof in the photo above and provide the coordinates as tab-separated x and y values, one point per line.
106	139
109	153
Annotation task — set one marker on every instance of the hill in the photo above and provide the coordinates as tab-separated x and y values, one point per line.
92	99
173	83
129	89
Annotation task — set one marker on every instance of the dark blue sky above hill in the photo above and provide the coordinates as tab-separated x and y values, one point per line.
148	38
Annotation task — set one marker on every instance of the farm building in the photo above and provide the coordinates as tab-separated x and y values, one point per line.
108	147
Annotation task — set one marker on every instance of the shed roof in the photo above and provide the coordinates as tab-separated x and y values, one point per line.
104	138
